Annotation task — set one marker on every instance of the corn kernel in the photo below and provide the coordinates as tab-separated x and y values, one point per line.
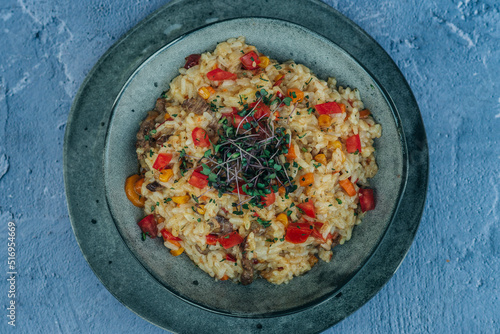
282	218
264	61
180	199
333	145
201	210
177	252
204	92
321	158
165	175
167	117
324	121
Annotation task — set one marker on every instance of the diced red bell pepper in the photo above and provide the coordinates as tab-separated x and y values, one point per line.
148	226
280	95
268	199
297	233
366	199
353	144
211	239
230	258
328	108
250	61
220	75
198	180
239	189
162	161
261	110
308	208
200	137
231	239
169	236
192	60
236	119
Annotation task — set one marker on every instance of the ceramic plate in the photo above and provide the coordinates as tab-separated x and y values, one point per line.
99	154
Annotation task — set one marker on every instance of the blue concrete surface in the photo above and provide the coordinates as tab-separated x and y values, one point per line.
449	51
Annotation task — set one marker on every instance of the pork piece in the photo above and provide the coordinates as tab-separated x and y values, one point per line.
220	225
211	130
257	229
154	186
146	126
161	105
196	105
163	138
247	274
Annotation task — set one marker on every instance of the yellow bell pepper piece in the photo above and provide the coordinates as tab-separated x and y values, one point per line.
177	252
333	145
324	121
165	175
321	158
282	218
264	62
180	199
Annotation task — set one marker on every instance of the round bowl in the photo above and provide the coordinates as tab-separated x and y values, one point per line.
178	274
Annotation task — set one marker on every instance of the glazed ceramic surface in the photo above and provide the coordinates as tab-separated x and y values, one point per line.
105	118
288	41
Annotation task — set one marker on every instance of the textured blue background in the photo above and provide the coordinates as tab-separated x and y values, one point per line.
449	51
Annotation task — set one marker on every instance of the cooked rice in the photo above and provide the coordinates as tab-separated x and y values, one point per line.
274	259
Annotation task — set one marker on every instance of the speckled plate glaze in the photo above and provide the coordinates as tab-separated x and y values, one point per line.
99	155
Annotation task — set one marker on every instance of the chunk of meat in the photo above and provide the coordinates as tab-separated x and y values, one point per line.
257	229
220	225
246	276
146	126
163	138
154	186
211	130
161	105
196	105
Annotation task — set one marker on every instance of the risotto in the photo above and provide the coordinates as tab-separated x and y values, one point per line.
253	168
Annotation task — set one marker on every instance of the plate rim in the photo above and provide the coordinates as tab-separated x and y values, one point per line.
142	24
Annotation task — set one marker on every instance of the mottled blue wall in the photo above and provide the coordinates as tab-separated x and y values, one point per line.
449	51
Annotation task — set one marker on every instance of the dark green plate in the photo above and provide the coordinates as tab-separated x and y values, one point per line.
99	155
